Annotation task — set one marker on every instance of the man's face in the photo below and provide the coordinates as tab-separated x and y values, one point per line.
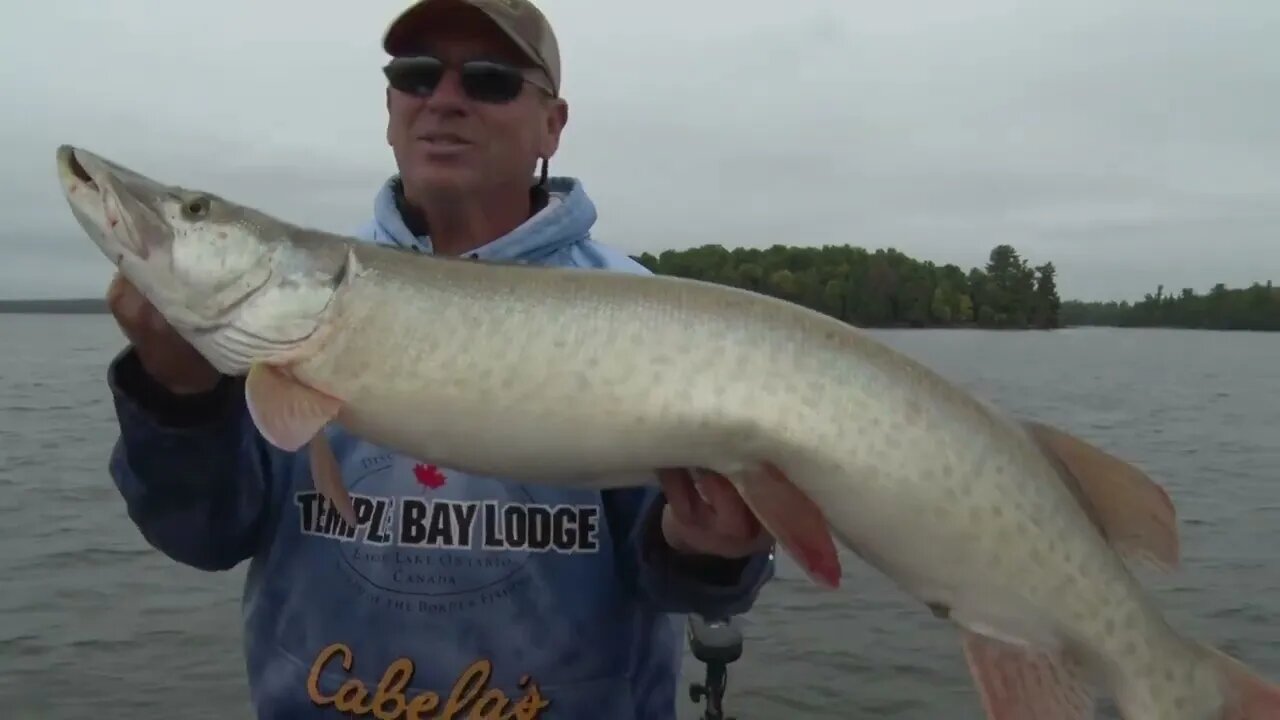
449	142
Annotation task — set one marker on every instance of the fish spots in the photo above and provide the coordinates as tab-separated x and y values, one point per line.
1004	533
939	610
913	413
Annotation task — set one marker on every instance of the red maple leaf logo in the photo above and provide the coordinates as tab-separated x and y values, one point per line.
429	476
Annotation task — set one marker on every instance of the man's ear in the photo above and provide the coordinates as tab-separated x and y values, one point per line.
388	103
557	118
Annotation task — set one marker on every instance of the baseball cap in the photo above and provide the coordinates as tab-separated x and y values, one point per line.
520	20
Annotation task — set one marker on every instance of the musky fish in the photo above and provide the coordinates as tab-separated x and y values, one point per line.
1016	532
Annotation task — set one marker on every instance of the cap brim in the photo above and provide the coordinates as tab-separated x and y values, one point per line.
400	31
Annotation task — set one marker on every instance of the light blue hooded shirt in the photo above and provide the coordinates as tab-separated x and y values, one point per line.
455	591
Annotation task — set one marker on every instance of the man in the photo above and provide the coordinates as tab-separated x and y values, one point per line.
454	590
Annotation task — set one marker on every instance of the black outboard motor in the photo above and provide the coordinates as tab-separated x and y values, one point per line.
715	643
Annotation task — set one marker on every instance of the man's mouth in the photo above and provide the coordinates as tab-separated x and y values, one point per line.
444	140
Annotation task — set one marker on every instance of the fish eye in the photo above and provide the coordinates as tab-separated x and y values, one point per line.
196	207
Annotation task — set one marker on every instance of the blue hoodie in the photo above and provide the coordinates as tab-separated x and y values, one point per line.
445	600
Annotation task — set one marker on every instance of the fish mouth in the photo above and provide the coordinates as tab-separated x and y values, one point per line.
74	173
78	171
87	183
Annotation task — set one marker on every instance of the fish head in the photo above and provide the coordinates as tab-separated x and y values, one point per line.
241	286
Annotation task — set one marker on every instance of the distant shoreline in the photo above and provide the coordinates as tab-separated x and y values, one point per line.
61	306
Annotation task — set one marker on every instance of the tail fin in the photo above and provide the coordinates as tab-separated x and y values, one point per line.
1249	697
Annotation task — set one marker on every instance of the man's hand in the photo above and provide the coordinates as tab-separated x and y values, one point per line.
164	354
707	516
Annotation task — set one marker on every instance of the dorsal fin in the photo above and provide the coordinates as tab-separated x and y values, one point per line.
1131	511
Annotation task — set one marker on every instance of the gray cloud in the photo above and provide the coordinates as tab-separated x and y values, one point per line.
1131	142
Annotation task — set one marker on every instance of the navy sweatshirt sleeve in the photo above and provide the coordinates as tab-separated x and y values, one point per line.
193	471
675	582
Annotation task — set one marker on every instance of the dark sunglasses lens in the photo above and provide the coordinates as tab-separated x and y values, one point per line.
414	76
481	80
491	82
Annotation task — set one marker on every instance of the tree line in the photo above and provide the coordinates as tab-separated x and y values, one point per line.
880	288
886	288
1256	307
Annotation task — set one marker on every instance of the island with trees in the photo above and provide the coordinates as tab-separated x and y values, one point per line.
881	288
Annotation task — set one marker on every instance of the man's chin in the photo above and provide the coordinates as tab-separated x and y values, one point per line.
444	180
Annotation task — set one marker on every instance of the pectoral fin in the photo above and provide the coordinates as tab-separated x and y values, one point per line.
285	411
290	415
326	473
791	517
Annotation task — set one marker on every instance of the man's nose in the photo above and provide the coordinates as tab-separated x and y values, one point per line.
448	94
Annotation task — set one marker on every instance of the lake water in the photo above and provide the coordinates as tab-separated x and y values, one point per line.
93	623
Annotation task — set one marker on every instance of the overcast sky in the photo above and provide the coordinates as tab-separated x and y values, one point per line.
1131	142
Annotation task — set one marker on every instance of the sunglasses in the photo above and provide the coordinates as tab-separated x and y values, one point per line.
482	80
